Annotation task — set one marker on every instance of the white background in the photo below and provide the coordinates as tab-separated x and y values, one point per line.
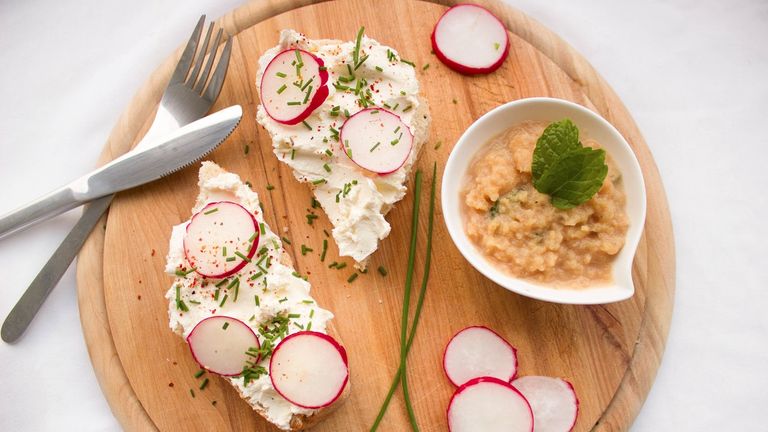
693	73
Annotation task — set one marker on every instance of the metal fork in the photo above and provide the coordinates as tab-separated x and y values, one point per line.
188	97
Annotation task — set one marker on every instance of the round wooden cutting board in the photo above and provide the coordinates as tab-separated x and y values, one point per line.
609	352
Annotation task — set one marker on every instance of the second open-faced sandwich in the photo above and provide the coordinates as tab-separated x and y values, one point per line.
348	119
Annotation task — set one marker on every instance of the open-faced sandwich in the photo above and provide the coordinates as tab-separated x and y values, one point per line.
348	119
246	313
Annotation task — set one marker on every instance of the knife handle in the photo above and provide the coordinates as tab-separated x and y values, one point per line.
55	203
21	315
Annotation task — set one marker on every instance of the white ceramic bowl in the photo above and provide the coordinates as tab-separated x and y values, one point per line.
590	124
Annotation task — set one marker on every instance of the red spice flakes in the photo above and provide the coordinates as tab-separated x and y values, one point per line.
138	297
153	253
170	384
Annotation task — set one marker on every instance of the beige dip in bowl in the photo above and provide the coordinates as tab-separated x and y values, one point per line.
582	255
517	227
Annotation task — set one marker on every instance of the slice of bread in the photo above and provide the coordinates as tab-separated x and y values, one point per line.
358	220
216	184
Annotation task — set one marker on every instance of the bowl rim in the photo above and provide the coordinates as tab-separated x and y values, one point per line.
454	174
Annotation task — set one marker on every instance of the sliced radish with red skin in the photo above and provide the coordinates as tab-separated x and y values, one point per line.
489	404
376	140
553	401
479	352
290	93
219	344
309	369
470	39
219	225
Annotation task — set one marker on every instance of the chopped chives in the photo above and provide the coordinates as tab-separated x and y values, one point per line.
326	233
261	228
425	67
309	326
298	325
256	276
338	86
311	313
375	145
282	89
245	258
192	392
216	294
306	85
409	63
293	153
348	79
374	111
396	105
224	251
213	210
325	249
253	237
379	68
362	60
315	203
306	125
333	265
285	299
439	143
222	282
205	382
358	41
402	92
294	315
285	240
349	69
262	251
281	75
341	265
310	218
199	373
306	97
408	108
496	46
224	300
299	61
318	181
305	249
256	300
382	270
352	278
293	103
397	129
322	68
230	259
194	302
308	302
346	112
226	324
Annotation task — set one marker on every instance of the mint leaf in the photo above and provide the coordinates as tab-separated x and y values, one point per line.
564	169
557	139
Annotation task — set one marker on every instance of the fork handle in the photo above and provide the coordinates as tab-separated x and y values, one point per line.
26	308
55	203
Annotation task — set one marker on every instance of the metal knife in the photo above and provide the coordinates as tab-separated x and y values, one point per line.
178	149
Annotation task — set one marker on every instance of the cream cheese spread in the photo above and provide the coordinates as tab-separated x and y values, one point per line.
354	199
267	288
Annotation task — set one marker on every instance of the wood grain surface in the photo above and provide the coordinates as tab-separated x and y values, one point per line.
610	353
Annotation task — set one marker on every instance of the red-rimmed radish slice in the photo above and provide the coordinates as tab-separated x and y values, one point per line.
470	39
377	140
489	404
293	86
309	369
219	344
553	401
218	237
479	352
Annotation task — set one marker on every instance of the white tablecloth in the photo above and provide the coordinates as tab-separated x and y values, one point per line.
694	74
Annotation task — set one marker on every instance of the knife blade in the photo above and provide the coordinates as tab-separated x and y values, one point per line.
139	166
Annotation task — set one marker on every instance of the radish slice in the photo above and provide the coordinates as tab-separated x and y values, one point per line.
489	404
470	39
376	140
219	344
219	226
479	352
309	369
553	401
293	85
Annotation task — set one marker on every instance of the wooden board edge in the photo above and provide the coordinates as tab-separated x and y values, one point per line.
653	334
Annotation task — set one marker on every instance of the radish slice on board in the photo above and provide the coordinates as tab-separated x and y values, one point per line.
479	352
553	401
470	39
293	85
219	237
309	369
489	405
219	344
376	140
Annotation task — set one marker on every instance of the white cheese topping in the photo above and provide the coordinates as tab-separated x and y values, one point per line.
354	199
279	291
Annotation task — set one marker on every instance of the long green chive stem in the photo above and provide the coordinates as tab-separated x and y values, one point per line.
406	300
399	376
